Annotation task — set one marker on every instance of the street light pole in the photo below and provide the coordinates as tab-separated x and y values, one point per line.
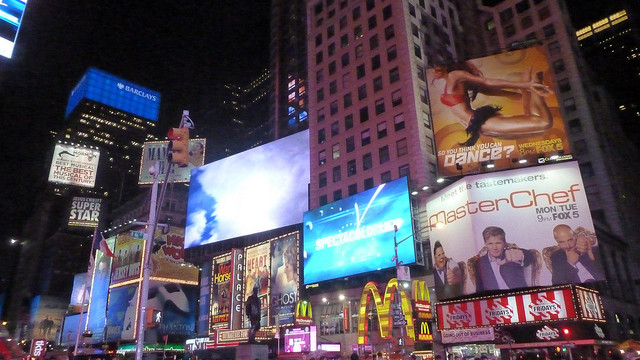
398	263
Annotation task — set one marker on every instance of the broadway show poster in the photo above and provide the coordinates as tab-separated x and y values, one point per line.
167	257
70	329
128	251
178	303
220	292
257	275
533	223
100	293
285	277
121	314
528	124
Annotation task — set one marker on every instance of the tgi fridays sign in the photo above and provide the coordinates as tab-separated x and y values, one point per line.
547	333
549	305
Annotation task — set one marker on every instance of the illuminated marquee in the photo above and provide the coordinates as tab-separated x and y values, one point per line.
303	314
383	305
421	299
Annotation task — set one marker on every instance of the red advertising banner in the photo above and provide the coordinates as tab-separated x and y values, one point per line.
499	108
590	304
549	305
38	348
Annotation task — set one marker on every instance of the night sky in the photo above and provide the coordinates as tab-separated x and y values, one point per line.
185	50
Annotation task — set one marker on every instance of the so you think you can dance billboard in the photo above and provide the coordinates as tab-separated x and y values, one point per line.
500	109
511	230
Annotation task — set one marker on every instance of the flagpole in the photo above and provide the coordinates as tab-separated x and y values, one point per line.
84	292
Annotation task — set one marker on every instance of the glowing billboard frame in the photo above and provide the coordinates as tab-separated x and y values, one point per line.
356	234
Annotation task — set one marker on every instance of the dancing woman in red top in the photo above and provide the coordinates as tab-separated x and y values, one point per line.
464	81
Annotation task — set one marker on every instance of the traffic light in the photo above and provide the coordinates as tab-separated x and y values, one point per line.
178	150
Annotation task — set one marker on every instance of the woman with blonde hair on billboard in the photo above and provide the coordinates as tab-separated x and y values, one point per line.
463	81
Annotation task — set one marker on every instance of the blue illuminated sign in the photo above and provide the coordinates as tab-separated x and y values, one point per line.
11	12
112	91
355	235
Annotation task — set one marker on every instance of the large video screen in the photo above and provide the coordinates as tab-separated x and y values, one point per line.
355	235
303	339
257	190
513	229
500	108
10	19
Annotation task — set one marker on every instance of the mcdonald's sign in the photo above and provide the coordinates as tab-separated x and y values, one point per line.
421	300
423	331
304	313
383	306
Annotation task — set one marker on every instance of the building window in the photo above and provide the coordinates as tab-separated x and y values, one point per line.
335	151
385	177
367	161
319	75
330	31
383	154
364	114
382	129
423	96
337	195
343	4
365	138
318	57
526	22
564	85
322	157
347	100
344	60
335	128
323	200
392	53
332	68
394	75
559	66
430	146
372	22
368	183
357	32
351	144
320	95
379	106
362	92
426	120
575	127
506	15
398	122
569	104
554	48
359	51
420	72
417	51
404	171
343	22
345	79
389	32
333	87
544	13
414	30
331	50
348	121
322	179
360	71
402	147
352	189
396	98
375	62
377	84
321	115
522	6
356	13
373	42
344	41
351	168
370	4
322	137
336	174
386	12
549	30
586	169
509	31
318	39
580	147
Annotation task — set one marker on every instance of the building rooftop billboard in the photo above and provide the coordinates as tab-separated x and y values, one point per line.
261	189
497	110
107	89
355	235
513	229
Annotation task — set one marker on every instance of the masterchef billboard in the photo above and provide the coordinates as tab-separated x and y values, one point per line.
532	225
499	108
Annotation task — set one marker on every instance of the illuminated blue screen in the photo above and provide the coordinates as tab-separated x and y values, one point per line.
355	235
112	91
11	12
